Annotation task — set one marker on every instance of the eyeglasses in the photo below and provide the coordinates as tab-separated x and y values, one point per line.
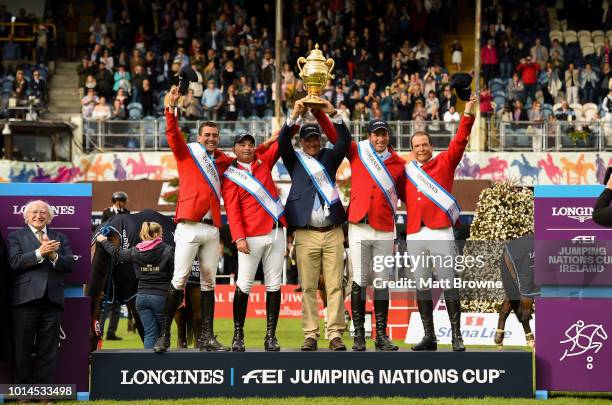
38	212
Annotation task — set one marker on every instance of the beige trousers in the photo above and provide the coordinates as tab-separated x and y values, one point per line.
321	252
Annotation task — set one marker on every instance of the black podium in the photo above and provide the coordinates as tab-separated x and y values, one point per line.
139	374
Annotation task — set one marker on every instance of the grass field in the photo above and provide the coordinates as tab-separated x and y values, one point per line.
289	336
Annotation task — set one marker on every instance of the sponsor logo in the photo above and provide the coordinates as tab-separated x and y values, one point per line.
584	239
578	213
187	377
268	376
57	209
474	320
584	340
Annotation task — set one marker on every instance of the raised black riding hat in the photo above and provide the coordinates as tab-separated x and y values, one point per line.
461	82
186	76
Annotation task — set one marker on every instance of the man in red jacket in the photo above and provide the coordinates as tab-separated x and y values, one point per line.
528	70
256	217
378	181
432	212
198	217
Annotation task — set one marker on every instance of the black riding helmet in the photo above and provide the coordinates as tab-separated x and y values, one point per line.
119	196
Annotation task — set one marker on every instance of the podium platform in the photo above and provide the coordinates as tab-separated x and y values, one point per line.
140	374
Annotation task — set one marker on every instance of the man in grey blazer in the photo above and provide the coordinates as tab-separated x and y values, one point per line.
39	257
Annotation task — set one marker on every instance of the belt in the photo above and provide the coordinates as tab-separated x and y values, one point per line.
320	229
206	221
364	220
277	225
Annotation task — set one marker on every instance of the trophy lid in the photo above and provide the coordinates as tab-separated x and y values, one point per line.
316	55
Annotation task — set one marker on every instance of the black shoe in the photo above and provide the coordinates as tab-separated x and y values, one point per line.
425	304
271	344
310	345
381	313
173	300
113	337
238	340
358	315
359	343
453	307
241	301
208	340
273	301
337	345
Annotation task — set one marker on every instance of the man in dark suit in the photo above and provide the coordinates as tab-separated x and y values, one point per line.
38	258
317	213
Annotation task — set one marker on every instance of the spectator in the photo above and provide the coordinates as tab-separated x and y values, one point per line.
231	104
181	28
42	43
606	105
604	52
604	81
386	104
123	80
98	30
488	55
486	108
539	53
456	54
197	87
572	81
535	112
85	68
565	113
519	113
431	103
89	102
11	55
588	84
20	88
101	110
107	59
71	28
448	100
421	53
119	112
191	106
516	88
39	88
451	118
529	74
212	100
228	76
104	80
260	100
91	83
146	99
556	47
552	83
122	96
505	114
505	54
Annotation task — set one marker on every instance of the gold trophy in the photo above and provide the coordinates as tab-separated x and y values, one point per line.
315	70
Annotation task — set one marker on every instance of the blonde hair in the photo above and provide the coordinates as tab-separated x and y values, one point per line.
150	230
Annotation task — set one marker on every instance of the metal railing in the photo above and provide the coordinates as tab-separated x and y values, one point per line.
553	136
150	134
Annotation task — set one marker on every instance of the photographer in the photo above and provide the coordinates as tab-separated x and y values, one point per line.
602	213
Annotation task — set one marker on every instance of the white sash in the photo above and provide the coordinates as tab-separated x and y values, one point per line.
207	167
319	177
432	190
379	172
247	181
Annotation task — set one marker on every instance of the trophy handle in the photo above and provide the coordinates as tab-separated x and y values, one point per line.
303	61
330	62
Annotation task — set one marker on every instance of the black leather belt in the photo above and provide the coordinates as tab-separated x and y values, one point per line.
206	221
364	220
320	229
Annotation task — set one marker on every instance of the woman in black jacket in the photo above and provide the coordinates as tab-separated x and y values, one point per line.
154	264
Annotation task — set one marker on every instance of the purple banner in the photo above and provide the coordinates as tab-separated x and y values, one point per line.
73	361
574	344
72	218
571	248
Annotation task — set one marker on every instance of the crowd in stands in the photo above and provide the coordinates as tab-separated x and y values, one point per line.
388	58
546	61
24	69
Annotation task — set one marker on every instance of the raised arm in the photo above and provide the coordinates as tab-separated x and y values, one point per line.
344	141
457	146
173	133
286	133
328	127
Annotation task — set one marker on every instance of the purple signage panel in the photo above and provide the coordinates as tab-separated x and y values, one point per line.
73	361
71	205
571	248
574	344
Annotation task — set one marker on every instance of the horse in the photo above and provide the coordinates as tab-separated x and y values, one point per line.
496	169
97	169
517	273
526	170
24	175
552	171
142	167
580	169
119	279
466	169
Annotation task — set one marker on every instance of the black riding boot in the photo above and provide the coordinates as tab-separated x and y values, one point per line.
453	307
208	340
358	304
241	300
425	304
273	301
381	312
173	300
